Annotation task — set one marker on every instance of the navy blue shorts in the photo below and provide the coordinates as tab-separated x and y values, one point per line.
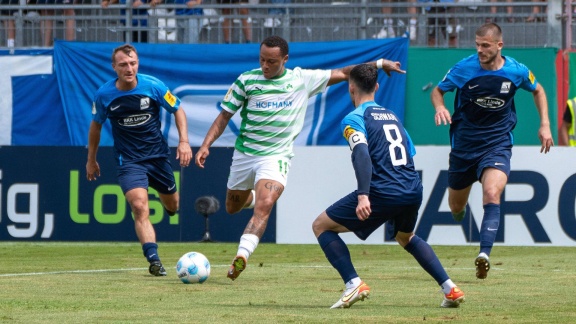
402	217
463	172
156	173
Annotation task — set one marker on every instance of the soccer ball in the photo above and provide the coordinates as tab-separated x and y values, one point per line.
193	267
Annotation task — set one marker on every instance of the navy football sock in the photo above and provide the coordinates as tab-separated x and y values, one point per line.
150	251
337	254
489	228
423	253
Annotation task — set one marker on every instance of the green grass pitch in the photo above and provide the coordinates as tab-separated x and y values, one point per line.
74	282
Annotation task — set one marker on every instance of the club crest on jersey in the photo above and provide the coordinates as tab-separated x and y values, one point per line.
144	103
505	87
170	98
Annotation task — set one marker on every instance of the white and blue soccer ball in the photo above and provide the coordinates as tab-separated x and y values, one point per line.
193	267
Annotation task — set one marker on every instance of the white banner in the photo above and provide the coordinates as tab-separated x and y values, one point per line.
538	204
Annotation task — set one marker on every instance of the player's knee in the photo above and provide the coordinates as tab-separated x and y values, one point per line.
492	195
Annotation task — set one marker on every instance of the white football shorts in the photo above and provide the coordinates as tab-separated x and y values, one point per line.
247	170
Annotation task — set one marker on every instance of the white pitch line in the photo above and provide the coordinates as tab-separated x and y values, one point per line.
213	266
69	271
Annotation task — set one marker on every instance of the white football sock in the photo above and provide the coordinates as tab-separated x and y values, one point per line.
447	286
248	243
353	283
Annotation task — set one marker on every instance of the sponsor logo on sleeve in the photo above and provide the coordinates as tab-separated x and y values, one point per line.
348	131
170	98
531	77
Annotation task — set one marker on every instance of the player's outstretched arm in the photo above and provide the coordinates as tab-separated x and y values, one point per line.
342	74
183	152
442	115
217	128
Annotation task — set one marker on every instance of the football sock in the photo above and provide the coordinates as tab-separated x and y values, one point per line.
423	253
150	251
353	283
248	243
447	286
489	227
337	254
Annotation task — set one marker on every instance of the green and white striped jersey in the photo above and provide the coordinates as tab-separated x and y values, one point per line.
272	110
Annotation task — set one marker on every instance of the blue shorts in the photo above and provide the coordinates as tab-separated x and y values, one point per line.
402	217
464	171
156	173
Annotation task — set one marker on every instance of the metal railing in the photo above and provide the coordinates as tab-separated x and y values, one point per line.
531	24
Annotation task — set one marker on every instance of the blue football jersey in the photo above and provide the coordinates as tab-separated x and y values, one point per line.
394	178
484	112
135	117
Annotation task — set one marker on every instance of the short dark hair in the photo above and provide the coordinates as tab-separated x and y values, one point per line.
126	49
276	41
365	76
490	29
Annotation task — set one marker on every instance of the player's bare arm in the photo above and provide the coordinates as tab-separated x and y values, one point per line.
544	133
183	152
217	128
342	74
92	167
442	115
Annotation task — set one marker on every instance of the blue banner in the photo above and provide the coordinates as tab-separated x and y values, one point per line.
200	74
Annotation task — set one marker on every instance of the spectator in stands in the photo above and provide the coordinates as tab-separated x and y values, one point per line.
246	23
568	128
494	11
534	17
443	21
140	18
48	24
9	23
388	27
275	13
189	28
